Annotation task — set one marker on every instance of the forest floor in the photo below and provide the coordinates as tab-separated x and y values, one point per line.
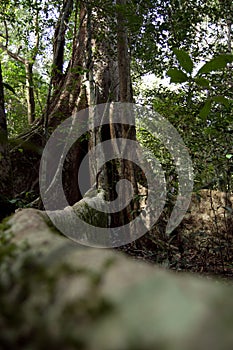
197	252
202	243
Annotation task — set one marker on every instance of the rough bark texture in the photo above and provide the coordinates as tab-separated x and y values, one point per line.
59	42
67	99
126	94
109	81
99	72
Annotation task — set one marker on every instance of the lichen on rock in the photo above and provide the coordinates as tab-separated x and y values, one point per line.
55	293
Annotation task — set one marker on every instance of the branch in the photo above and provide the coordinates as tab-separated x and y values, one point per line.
37	34
12	55
6	31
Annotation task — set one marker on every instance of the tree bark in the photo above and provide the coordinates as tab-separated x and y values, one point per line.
59	42
99	72
6	184
30	92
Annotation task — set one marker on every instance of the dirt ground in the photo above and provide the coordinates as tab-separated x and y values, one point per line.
203	243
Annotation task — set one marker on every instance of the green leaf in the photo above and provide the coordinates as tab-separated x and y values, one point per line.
202	82
229	156
9	87
184	60
205	109
177	76
13	201
221	99
215	64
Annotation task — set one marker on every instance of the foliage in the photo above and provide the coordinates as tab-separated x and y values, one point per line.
25	31
201	79
188	40
196	54
169	24
213	136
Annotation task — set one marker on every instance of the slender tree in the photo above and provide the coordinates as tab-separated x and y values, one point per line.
6	184
24	49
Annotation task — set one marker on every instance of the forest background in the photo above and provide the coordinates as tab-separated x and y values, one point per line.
59	57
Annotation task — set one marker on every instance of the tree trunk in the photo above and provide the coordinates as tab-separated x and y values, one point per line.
128	170
59	43
29	82
126	93
6	184
99	72
30	92
109	80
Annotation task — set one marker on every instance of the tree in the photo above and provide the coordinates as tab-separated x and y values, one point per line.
59	42
6	185
200	27
103	38
98	71
23	39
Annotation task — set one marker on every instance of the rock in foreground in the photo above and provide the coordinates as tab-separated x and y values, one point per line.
55	294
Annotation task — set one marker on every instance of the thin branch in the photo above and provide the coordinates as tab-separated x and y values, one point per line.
37	41
12	54
7	34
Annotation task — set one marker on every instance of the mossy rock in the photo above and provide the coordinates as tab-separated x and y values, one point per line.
57	294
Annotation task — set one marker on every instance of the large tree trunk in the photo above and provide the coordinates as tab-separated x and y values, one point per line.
110	81
107	63
99	72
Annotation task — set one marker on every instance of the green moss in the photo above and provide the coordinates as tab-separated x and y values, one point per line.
4	225
32	314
